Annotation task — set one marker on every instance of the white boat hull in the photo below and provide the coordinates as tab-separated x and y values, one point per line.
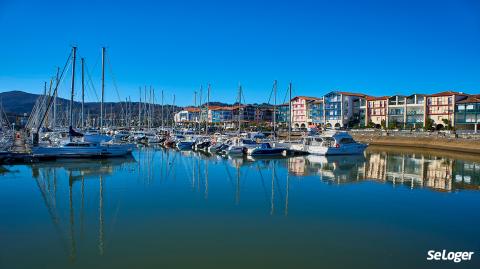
352	149
101	151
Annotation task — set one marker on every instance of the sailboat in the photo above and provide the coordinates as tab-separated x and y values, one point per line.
77	146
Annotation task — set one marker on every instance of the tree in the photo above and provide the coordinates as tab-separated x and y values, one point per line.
383	123
448	124
428	124
393	124
370	124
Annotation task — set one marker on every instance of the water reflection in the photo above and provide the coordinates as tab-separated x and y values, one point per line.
49	179
412	168
84	198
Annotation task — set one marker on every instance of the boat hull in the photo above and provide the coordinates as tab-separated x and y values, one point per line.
353	149
102	151
268	152
185	145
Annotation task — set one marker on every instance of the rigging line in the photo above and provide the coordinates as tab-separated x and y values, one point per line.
271	93
110	69
96	62
90	82
55	91
286	94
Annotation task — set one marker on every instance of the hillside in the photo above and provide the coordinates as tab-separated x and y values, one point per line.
19	102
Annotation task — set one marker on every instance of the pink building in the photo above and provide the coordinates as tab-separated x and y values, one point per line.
300	111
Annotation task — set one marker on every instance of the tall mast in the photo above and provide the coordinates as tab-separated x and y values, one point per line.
55	99
83	91
73	84
162	110
173	107
103	88
200	109
145	109
274	108
140	109
239	106
208	106
153	107
290	112
194	105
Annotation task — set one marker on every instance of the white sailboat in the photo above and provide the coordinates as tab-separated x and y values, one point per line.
78	146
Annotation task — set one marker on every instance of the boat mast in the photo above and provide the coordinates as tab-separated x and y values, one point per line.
200	110
208	106
153	107
173	107
73	84
290	113
274	108
55	100
162	110
239	105
140	109
194	105
103	88
83	92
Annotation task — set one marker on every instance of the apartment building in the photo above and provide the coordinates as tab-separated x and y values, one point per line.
218	114
315	113
376	110
440	107
282	112
342	109
406	111
467	112
187	115
300	110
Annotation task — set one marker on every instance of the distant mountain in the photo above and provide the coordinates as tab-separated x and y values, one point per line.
19	102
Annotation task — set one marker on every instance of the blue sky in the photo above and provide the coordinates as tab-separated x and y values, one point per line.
376	47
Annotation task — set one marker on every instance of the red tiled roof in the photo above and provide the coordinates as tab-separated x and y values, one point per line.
306	98
353	94
192	109
471	99
221	108
374	98
446	93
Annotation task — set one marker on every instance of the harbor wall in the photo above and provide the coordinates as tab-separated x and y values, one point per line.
448	141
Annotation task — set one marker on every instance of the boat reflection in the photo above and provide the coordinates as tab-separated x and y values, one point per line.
49	180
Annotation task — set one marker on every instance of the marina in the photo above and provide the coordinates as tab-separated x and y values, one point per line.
240	134
156	204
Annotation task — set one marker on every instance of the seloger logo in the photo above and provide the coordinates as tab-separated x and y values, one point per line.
449	256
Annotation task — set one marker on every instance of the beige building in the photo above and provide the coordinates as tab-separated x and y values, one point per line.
440	107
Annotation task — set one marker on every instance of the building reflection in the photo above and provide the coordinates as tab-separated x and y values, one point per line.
410	169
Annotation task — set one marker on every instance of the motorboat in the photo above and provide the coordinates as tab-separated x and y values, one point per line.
265	149
202	142
122	135
184	143
241	146
332	143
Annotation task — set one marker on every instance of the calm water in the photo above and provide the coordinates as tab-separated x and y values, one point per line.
163	208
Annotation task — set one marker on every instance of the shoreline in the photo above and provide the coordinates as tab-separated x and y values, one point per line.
434	142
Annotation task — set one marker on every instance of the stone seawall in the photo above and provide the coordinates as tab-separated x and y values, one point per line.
467	143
